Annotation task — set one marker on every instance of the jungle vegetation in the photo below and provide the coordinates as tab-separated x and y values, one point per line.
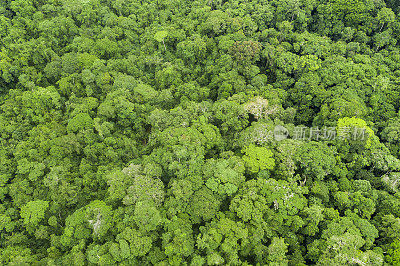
142	132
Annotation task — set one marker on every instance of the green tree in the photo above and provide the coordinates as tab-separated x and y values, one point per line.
258	158
34	211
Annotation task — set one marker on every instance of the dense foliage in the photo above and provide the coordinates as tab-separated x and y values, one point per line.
139	132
